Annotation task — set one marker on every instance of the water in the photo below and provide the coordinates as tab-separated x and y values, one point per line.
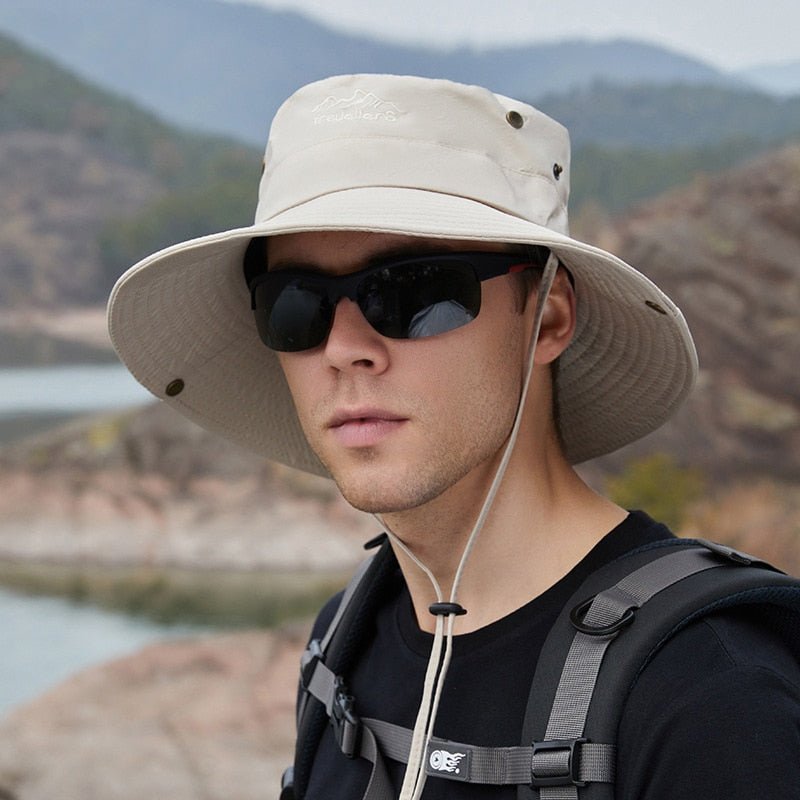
45	640
74	389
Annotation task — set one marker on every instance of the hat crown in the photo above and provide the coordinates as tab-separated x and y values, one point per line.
356	131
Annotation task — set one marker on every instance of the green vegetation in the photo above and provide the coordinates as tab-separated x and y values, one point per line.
38	95
614	178
177	216
658	485
631	143
672	117
202	597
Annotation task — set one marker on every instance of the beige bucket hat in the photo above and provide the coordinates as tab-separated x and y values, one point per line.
404	155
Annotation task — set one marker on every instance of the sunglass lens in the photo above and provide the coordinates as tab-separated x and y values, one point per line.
414	301
291	317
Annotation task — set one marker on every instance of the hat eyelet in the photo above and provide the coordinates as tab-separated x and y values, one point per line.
656	307
515	119
174	388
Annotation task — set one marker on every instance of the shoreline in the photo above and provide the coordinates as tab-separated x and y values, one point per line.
211	597
83	325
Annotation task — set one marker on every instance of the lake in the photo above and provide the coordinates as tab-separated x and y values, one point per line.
46	639
33	399
76	388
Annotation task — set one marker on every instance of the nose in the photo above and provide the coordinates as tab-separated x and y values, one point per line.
353	344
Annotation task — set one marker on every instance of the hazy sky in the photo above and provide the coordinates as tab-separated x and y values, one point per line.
727	33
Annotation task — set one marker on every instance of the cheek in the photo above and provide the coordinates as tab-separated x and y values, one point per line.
475	386
299	377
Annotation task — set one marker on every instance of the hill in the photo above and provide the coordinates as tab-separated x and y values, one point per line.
75	159
194	61
727	249
779	79
93	182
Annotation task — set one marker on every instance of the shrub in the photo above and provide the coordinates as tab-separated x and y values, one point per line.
658	485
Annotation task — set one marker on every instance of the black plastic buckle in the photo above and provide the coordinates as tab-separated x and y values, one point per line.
308	662
569	775
736	556
346	725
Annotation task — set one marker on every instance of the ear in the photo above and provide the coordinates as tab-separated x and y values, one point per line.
558	320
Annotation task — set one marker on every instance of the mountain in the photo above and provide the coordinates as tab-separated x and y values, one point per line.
779	79
78	163
224	67
668	117
92	182
726	248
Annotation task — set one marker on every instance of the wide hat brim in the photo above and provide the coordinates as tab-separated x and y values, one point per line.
181	322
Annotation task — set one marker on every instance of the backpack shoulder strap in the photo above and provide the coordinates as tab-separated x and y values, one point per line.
327	658
627	611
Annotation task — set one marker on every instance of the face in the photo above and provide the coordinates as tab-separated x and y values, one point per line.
399	422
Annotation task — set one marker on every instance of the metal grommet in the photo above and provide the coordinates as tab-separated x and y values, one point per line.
655	306
175	387
514	119
557	170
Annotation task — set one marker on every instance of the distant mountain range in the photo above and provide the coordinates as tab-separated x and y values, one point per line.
105	182
224	67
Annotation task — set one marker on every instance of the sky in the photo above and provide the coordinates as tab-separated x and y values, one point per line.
729	34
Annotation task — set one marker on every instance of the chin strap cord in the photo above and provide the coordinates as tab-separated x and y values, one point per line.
438	662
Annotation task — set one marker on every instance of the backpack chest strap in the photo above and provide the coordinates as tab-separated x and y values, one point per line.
540	763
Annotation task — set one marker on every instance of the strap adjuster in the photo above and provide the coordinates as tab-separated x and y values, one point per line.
346	725
558	763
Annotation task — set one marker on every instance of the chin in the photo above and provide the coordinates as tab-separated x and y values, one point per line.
383	494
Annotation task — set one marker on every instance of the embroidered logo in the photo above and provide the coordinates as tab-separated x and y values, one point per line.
443	761
362	105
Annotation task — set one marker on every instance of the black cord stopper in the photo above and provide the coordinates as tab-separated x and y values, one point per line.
446	609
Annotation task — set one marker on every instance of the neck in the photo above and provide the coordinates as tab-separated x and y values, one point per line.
543	521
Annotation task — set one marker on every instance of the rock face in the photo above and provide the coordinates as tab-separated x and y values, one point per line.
60	184
727	250
189	720
151	488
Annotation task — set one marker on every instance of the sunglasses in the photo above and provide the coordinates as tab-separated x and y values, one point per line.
409	298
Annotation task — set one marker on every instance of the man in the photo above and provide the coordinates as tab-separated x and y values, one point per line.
439	345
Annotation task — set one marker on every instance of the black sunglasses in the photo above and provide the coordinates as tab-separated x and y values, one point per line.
408	298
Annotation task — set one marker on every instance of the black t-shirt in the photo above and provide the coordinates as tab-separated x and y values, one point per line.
716	714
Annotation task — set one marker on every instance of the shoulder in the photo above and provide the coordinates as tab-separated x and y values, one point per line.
716	713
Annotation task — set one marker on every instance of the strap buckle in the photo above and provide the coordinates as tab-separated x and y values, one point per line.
345	722
558	764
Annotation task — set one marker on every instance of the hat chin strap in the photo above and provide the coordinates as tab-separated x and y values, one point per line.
438	663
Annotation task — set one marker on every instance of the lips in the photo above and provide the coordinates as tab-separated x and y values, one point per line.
364	427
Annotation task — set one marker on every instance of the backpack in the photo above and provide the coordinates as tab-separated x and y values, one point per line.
628	608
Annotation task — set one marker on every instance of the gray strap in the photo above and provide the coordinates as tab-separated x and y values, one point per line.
582	665
318	649
379	786
488	765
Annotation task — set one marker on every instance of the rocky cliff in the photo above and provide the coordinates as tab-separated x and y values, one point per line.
189	720
727	249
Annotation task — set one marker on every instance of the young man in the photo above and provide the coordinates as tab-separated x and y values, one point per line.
439	345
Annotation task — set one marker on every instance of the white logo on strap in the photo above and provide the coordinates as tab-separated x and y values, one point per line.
362	106
442	761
